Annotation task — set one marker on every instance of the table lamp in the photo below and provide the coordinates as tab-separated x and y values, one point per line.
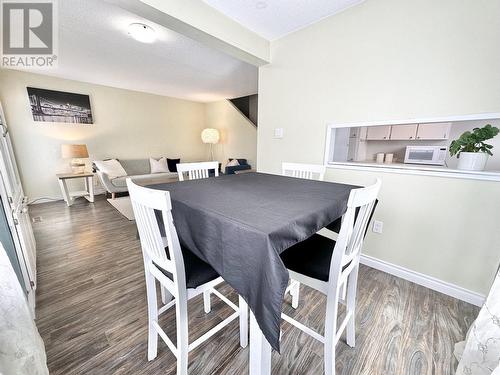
210	136
76	153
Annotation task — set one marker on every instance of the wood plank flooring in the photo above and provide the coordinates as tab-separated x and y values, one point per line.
92	313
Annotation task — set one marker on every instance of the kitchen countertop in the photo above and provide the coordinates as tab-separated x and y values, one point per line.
422	169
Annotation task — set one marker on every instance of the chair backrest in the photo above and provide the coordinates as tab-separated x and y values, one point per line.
196	171
307	171
144	203
349	242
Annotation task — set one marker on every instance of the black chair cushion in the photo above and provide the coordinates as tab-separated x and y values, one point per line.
310	257
197	271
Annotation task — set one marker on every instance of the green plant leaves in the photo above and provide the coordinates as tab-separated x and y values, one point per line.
474	141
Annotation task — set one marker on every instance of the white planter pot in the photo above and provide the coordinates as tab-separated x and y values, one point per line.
472	161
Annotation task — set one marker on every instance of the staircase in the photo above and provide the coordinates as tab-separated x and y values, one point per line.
247	106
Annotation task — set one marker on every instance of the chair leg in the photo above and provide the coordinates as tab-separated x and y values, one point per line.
295	292
206	301
182	335
330	332
352	282
329	360
153	316
243	322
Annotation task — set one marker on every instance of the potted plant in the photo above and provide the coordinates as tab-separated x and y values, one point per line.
471	151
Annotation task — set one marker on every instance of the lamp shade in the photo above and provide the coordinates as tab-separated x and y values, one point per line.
74	151
210	135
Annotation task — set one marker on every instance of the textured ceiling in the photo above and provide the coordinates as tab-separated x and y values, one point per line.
94	47
273	19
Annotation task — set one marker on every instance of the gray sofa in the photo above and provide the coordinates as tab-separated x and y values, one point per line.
137	169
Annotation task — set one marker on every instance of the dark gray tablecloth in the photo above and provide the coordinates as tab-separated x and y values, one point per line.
239	224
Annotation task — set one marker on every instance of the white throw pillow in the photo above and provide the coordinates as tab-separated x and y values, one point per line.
233	163
112	168
158	166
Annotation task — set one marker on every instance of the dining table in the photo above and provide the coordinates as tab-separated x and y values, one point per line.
239	224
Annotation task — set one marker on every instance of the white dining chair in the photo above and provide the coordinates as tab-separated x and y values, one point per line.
196	171
327	265
177	270
307	171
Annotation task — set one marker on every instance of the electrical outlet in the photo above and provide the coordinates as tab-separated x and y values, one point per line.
37	219
378	226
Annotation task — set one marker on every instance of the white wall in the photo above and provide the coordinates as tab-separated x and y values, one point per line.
395	59
238	134
127	125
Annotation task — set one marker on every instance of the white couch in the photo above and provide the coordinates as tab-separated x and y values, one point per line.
137	169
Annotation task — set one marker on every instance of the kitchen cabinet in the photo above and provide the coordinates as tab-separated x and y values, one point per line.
378	132
404	132
434	131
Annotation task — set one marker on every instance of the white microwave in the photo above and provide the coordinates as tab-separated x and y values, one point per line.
433	155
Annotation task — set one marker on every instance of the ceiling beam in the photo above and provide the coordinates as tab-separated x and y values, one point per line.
199	21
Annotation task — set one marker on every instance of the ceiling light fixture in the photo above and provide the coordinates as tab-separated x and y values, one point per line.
142	33
261	4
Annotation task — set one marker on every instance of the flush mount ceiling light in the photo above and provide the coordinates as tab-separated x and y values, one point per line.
142	33
260	5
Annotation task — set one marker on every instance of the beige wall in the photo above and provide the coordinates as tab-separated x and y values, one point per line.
238	134
395	59
127	125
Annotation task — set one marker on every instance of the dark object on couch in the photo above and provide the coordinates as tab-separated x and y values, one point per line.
242	167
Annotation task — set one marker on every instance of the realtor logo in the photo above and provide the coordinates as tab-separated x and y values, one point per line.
29	34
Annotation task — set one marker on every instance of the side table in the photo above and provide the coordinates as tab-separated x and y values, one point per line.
69	196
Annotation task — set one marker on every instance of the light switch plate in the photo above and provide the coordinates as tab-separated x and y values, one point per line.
278	133
378	226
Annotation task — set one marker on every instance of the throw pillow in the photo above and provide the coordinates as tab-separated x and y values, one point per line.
232	163
111	167
172	164
158	166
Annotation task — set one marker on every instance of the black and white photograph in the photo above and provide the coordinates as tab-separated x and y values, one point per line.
59	106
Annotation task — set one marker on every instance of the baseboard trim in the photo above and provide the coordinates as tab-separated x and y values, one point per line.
40	200
425	280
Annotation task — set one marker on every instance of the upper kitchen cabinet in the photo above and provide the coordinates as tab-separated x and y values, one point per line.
404	132
434	131
378	132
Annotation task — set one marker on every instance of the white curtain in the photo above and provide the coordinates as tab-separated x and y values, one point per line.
481	352
21	348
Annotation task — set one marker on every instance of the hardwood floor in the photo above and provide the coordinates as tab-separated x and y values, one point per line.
92	313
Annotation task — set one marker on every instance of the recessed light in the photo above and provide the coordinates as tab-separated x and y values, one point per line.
142	33
261	4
